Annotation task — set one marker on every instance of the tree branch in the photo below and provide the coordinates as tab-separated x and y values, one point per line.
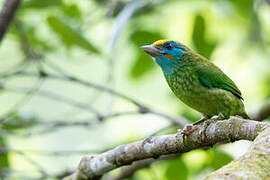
254	164
128	171
206	135
6	15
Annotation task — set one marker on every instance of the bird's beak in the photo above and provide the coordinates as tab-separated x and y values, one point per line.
151	50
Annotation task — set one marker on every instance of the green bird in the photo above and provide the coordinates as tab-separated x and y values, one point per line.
196	81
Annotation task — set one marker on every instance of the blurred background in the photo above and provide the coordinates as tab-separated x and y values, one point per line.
75	82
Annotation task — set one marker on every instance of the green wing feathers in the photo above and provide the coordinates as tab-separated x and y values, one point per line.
211	76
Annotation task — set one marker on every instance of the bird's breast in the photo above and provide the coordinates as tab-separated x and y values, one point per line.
184	82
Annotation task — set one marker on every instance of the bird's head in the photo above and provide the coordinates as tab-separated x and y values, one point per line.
166	53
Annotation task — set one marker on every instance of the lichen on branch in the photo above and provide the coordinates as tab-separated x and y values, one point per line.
254	164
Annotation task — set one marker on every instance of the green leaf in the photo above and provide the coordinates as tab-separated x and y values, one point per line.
69	36
142	37
190	114
203	46
19	122
32	38
72	11
143	62
142	65
243	6
219	158
266	86
3	157
38	43
176	170
41	4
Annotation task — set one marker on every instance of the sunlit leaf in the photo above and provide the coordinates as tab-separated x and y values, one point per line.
190	114
177	170
36	42
69	36
143	62
72	11
243	6
202	45
219	158
142	65
41	3
266	86
19	122
3	157
141	37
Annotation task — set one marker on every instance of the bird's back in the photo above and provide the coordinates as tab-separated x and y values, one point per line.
204	87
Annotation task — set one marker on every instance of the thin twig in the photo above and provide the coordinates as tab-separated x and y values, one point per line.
142	108
28	95
6	15
54	96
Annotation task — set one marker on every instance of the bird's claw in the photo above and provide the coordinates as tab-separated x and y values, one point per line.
188	129
220	116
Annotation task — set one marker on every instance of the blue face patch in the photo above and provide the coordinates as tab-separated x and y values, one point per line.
172	53
166	64
172	48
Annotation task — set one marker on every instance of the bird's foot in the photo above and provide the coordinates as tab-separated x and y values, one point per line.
187	130
204	117
220	116
190	128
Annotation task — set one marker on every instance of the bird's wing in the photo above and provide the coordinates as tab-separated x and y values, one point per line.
211	76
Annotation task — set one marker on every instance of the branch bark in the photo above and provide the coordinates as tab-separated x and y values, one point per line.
206	135
6	15
255	164
128	171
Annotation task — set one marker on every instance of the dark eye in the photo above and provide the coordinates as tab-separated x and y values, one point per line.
169	46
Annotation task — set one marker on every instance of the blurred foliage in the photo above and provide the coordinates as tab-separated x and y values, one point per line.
243	6
19	122
218	158
39	4
28	34
202	45
4	163
69	36
189	165
235	31
142	64
72	11
176	169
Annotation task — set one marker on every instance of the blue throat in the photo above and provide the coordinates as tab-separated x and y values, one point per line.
166	65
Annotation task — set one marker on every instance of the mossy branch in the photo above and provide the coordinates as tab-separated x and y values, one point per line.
254	164
206	135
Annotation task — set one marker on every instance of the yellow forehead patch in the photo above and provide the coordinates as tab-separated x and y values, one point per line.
161	42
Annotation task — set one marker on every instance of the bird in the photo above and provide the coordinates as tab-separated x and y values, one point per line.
196	81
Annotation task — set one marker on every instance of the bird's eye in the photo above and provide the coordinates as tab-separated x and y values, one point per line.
169	46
